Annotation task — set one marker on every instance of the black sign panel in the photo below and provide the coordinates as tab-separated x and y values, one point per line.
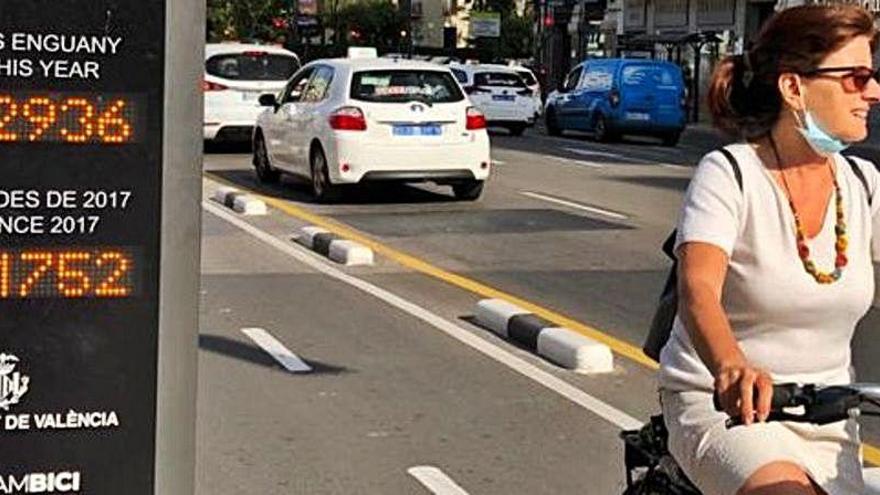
81	104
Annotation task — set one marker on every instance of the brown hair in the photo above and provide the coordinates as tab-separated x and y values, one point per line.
744	98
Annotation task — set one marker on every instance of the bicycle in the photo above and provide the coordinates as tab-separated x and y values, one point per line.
651	469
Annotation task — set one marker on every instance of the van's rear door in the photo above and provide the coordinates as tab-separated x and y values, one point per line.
652	93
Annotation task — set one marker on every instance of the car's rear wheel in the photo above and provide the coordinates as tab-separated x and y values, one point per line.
468	190
265	172
551	123
601	131
322	190
516	129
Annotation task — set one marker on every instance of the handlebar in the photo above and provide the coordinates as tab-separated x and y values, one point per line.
816	404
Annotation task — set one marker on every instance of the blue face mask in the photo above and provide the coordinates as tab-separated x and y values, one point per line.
821	141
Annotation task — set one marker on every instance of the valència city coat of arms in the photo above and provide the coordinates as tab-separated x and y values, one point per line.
13	385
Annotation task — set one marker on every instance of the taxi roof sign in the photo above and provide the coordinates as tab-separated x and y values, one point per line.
362	52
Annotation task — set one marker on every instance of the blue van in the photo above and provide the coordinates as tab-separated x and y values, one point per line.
613	96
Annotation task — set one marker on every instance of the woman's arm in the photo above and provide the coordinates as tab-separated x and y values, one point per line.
701	272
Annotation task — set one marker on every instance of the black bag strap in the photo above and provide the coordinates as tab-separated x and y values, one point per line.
669	243
735	165
861	175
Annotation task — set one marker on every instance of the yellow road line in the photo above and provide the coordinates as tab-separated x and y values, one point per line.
623	348
871	453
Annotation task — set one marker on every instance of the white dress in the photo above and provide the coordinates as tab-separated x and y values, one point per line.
785	323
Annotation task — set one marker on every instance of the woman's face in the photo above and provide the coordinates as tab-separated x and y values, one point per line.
834	98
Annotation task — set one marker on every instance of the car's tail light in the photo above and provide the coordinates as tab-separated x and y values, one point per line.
614	98
475	119
255	54
212	86
348	119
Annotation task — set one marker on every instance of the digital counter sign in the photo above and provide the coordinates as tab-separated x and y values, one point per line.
59	118
67	273
82	101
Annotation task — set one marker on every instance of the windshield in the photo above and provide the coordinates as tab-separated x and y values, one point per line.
505	79
255	66
527	77
401	86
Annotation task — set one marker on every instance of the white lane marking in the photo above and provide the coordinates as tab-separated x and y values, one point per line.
561	387
277	350
435	480
499	162
576	162
675	167
583	152
572	204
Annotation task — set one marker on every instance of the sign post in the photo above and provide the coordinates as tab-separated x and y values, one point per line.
100	158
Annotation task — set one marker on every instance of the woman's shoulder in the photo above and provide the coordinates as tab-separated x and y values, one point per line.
727	164
863	168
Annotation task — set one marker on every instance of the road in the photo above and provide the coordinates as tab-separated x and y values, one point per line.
401	376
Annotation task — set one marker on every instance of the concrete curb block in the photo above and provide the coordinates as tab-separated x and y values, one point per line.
872	480
340	250
240	202
564	347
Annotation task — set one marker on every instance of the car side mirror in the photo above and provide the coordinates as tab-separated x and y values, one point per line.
560	86
268	100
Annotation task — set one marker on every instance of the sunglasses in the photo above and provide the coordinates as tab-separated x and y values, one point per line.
854	79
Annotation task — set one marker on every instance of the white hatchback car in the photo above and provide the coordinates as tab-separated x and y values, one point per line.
235	76
531	81
500	93
348	121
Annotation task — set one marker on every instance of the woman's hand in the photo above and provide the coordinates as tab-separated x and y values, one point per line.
744	391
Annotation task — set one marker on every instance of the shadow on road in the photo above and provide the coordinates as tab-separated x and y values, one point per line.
293	189
254	355
672	183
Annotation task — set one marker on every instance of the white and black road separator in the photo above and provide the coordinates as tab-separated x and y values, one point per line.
240	202
564	347
340	250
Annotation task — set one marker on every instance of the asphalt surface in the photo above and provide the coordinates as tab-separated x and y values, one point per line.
568	224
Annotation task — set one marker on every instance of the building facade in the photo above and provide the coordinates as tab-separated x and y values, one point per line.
693	33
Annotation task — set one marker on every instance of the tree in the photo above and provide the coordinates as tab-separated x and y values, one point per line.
516	41
377	23
247	19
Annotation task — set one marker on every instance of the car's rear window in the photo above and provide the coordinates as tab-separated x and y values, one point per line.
401	85
655	75
252	66
506	79
527	77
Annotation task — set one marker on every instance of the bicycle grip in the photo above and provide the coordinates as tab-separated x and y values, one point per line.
783	396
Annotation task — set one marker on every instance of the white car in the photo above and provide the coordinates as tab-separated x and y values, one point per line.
349	121
235	77
531	81
500	93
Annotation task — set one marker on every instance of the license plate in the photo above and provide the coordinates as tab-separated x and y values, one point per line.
503	97
417	130
637	116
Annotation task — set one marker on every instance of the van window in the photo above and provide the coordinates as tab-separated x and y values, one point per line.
401	86
598	79
506	79
252	66
655	75
571	81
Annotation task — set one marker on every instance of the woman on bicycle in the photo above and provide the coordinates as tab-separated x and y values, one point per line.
774	274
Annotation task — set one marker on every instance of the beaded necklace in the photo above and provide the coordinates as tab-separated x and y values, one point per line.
840	245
